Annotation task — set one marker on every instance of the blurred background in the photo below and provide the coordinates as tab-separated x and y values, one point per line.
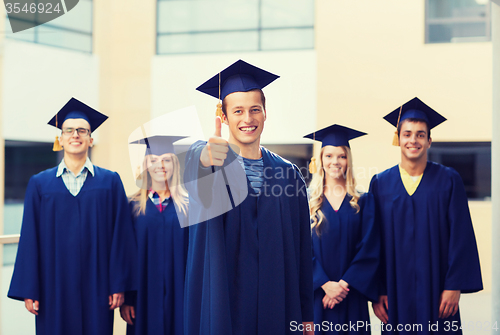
341	61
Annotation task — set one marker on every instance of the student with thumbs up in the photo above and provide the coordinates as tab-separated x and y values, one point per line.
249	267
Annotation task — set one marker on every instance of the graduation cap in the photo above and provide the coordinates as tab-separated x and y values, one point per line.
335	135
75	109
155	145
159	144
413	109
238	77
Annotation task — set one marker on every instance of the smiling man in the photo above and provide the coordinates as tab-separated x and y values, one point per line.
77	250
249	270
429	250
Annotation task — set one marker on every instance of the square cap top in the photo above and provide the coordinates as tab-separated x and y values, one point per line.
335	135
159	144
75	109
415	108
238	77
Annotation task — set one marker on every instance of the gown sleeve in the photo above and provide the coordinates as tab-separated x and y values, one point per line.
198	179
306	278
381	271
464	271
319	275
123	255
362	271
25	279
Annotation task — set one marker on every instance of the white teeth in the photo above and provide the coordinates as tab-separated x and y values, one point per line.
248	128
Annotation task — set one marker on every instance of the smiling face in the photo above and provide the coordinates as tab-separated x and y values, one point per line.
334	161
75	144
160	169
245	116
414	141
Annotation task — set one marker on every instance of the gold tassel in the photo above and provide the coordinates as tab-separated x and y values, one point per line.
57	145
218	112
312	166
395	140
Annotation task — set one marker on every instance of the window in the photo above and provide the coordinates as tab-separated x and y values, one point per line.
472	160
73	30
298	154
201	26
449	21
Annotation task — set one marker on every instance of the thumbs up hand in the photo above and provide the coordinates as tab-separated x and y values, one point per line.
215	152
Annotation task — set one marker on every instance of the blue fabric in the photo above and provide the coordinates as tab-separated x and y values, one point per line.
76	115
428	244
348	248
74	252
162	245
249	270
254	169
414	114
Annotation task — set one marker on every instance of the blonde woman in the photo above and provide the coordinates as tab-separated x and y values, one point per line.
345	240
159	210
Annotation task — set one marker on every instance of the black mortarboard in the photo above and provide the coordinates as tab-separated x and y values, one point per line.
238	77
335	135
159	144
415	108
75	109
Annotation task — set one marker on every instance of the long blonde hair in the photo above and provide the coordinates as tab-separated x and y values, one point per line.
317	187
177	191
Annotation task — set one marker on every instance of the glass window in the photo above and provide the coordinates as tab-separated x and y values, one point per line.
472	160
23	160
199	26
449	21
73	30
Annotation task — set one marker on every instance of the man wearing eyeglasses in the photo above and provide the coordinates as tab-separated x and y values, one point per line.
77	249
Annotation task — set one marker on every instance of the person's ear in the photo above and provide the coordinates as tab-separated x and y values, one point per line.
91	142
224	119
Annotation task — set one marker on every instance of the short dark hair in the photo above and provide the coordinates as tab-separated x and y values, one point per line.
412	119
262	97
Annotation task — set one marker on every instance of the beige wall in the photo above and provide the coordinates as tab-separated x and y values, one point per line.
481	218
372	58
124	42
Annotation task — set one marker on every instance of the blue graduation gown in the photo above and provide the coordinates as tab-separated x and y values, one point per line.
348	248
162	245
249	270
74	252
428	244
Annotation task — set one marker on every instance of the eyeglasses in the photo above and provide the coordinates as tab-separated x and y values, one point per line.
81	131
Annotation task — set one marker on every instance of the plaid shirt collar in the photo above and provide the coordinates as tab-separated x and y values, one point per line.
62	167
155	198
